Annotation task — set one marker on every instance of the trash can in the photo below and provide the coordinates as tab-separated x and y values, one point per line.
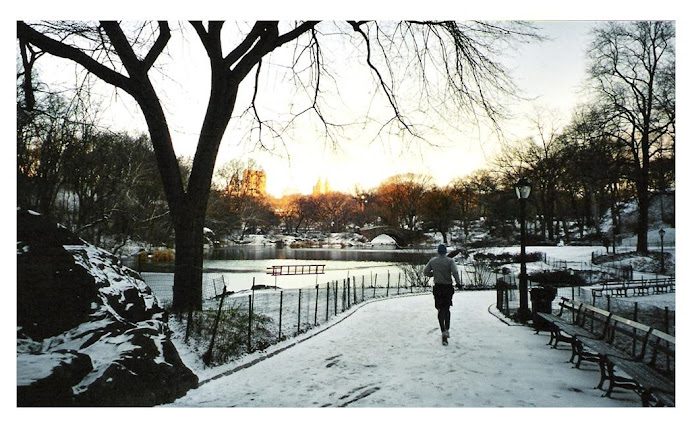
542	301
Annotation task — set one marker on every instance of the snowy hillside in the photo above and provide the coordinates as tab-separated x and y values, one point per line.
89	331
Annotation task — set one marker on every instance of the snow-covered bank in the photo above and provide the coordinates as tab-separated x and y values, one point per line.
388	354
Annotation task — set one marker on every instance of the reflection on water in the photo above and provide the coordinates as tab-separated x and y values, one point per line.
255	258
379	254
245	266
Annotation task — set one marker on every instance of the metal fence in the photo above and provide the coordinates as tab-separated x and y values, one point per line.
660	318
254	319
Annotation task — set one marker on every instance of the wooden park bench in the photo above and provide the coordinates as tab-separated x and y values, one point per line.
648	375
618	288
634	287
662	285
583	323
617	344
618	334
639	287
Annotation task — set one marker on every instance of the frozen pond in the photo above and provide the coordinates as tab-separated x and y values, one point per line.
241	267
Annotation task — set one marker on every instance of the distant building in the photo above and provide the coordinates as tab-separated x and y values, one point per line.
255	182
321	188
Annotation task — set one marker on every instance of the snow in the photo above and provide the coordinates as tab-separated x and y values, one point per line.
388	354
383	240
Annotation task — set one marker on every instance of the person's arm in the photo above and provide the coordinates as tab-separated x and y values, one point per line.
455	274
428	270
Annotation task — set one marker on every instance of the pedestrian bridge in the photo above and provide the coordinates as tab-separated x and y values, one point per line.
403	237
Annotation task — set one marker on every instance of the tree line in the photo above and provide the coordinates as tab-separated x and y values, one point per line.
630	123
106	187
102	185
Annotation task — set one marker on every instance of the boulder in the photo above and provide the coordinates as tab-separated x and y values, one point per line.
89	330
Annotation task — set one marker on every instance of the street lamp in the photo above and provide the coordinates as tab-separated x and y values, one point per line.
523	189
661	233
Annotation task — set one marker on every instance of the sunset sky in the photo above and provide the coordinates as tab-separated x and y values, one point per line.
552	72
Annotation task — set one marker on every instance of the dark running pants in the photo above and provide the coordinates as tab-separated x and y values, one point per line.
443	294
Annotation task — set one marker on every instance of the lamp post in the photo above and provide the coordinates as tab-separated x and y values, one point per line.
661	233
523	190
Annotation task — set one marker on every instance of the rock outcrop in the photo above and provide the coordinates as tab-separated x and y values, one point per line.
89	331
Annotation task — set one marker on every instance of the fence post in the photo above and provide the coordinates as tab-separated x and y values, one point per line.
387	283
317	299
249	324
666	326
327	305
300	292
252	301
348	295
188	328
608	302
336	297
634	330
281	306
207	355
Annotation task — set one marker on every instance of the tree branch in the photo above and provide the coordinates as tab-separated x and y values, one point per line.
123	48
387	90
243	47
211	39
62	50
159	45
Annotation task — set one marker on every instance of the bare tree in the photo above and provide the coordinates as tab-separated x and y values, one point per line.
537	157
335	209
440	209
631	67
399	200
467	202
124	55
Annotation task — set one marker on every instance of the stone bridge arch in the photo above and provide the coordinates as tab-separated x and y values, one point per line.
403	237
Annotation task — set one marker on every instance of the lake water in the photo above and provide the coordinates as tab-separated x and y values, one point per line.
241	267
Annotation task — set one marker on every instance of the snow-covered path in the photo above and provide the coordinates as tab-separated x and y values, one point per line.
388	354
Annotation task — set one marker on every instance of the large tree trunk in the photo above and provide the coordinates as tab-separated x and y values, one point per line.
643	218
642	184
189	252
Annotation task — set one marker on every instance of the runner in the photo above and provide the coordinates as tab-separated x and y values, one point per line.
442	269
